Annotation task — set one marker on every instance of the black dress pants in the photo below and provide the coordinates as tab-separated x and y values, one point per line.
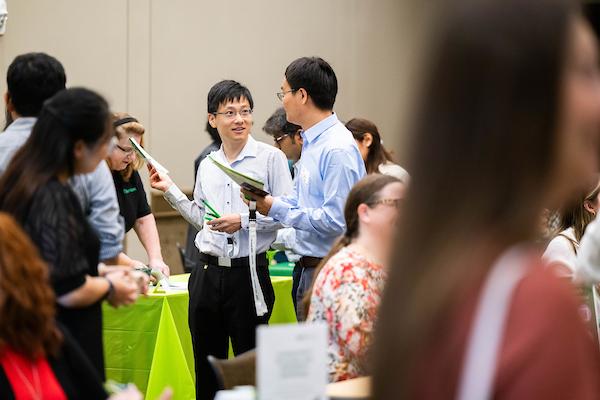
222	307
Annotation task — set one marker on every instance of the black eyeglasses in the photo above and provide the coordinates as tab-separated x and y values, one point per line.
281	95
245	113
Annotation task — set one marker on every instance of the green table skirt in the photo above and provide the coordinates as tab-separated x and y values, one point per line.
150	345
281	269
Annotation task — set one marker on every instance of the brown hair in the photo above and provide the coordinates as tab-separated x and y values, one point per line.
377	153
366	191
129	128
484	138
576	216
27	303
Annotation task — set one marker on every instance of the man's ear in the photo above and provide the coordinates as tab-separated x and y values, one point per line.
8	102
212	121
303	96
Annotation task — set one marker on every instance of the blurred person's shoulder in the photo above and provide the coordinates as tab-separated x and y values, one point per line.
547	351
562	249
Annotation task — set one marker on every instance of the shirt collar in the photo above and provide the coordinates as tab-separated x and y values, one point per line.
249	150
316	130
22	123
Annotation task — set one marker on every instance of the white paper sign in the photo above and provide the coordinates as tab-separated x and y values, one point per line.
292	361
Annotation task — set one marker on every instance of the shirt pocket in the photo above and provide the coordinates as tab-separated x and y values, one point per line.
211	242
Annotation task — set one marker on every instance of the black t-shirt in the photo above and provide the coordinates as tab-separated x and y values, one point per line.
132	198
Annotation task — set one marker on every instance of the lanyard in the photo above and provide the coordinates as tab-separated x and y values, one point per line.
259	298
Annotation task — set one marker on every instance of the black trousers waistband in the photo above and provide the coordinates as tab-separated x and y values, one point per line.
309	262
261	260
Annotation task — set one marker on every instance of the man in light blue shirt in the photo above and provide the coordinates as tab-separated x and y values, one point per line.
33	78
330	165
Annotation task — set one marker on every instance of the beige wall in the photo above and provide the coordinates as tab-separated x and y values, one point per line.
158	58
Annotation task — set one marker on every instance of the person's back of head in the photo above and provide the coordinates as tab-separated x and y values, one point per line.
485	140
366	133
286	135
278	125
317	78
72	116
27	302
31	79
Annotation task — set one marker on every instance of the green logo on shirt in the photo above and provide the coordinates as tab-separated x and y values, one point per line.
130	190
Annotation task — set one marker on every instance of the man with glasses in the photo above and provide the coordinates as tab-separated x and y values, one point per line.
221	295
331	164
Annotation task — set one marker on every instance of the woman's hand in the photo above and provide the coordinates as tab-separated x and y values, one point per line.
159	181
160	265
125	289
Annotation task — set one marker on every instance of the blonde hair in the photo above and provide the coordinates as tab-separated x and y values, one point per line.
129	128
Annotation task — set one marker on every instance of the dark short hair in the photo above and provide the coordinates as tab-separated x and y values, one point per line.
71	115
31	79
226	91
277	124
316	76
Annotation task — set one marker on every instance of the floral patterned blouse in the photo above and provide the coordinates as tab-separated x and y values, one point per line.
346	296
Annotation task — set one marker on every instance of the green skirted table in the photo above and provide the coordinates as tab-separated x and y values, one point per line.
281	269
150	345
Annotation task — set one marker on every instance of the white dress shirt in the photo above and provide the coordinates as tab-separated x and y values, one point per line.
258	160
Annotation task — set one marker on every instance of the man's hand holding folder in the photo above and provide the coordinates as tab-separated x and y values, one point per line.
263	204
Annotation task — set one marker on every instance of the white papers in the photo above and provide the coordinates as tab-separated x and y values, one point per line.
169	286
292	361
149	159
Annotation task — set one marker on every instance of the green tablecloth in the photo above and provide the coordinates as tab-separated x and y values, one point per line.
281	269
149	343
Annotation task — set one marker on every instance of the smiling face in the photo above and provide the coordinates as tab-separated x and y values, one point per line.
233	120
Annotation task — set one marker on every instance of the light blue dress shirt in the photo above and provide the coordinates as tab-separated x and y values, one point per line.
329	167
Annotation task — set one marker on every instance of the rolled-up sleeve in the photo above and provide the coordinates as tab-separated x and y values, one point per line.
96	192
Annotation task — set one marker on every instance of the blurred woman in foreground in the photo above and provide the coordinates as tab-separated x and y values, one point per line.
509	124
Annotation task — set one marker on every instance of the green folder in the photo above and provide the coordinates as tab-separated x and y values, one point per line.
246	182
